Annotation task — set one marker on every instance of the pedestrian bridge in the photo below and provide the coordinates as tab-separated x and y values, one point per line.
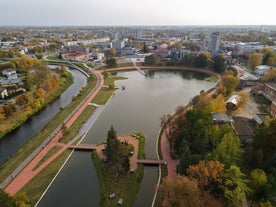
152	162
83	147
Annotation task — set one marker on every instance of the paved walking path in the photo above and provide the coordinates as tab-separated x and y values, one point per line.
28	173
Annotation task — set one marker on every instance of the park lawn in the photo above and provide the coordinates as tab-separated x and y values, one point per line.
35	188
23	152
53	57
72	132
51	152
105	93
127	186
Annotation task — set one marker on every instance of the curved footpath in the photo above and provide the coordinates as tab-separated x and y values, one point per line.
28	173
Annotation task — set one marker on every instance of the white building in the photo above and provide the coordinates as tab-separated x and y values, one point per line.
262	69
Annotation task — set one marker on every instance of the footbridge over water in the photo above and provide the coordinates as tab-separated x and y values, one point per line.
152	162
83	147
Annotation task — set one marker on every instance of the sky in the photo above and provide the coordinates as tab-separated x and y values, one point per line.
136	12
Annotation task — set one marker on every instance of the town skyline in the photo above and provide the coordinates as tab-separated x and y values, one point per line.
133	12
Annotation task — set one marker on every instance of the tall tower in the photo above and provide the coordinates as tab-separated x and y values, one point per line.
214	41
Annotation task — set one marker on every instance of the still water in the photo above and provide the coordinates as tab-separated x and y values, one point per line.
136	108
14	140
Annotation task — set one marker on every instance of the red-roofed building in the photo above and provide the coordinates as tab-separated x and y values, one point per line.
162	53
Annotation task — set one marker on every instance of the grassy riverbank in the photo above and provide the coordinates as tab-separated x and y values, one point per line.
20	155
128	185
35	188
106	92
18	118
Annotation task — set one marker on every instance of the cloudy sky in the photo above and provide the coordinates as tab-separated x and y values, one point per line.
136	12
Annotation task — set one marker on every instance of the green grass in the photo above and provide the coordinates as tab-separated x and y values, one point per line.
105	93
72	132
39	183
17	158
212	78
51	152
127	186
54	57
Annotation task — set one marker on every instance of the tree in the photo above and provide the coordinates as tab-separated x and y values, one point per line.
235	186
40	93
112	144
201	61
9	109
265	140
258	184
208	174
145	48
255	59
269	56
228	151
270	76
218	104
219	64
111	62
22	100
112	52
150	60
229	82
6	200
198	124
180	192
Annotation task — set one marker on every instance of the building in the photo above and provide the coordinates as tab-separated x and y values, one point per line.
161	53
268	90
214	41
75	56
177	54
3	93
262	69
9	73
233	102
118	45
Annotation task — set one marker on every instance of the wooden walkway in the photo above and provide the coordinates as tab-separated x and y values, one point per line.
83	147
152	162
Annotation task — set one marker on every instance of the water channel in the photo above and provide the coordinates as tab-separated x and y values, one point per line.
12	141
137	108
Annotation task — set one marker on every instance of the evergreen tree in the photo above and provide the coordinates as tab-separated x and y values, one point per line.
219	64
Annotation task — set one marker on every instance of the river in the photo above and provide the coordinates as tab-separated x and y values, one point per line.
14	140
137	108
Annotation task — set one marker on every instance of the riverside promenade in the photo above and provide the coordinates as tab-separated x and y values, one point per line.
28	172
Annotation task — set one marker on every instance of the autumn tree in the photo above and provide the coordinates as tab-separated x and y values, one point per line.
6	200
22	100
40	93
9	109
180	192
208	174
218	104
255	59
229	82
269	56
270	76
